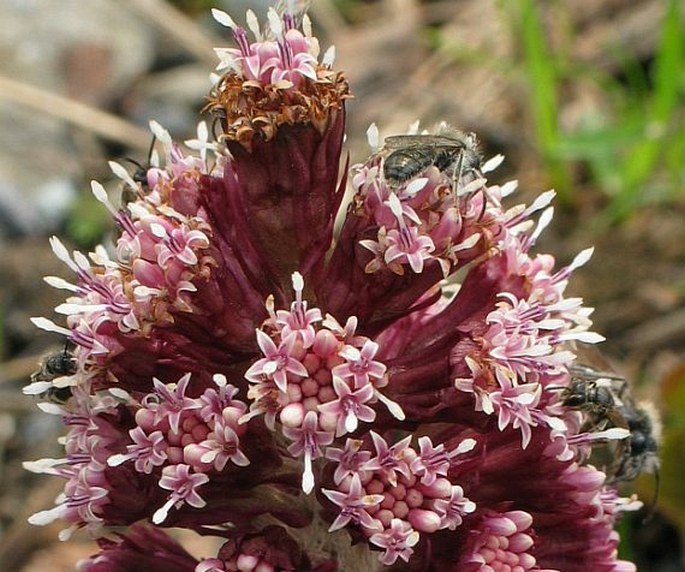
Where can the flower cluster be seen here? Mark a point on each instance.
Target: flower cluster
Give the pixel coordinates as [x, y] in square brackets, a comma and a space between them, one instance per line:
[323, 398]
[318, 382]
[275, 80]
[397, 493]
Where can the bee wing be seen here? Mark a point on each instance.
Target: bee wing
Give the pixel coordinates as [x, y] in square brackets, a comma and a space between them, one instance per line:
[589, 357]
[402, 141]
[617, 419]
[593, 366]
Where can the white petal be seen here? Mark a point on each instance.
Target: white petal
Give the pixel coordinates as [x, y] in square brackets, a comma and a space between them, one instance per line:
[161, 513]
[470, 242]
[373, 137]
[395, 205]
[589, 338]
[543, 223]
[209, 456]
[307, 26]
[68, 309]
[161, 134]
[51, 408]
[60, 283]
[81, 261]
[120, 393]
[41, 465]
[36, 388]
[542, 201]
[298, 282]
[394, 408]
[121, 173]
[223, 19]
[329, 57]
[466, 445]
[253, 25]
[202, 131]
[615, 433]
[101, 195]
[415, 186]
[315, 49]
[116, 460]
[66, 533]
[556, 423]
[158, 230]
[526, 398]
[472, 187]
[582, 258]
[275, 22]
[307, 475]
[508, 188]
[46, 516]
[62, 253]
[492, 163]
[49, 326]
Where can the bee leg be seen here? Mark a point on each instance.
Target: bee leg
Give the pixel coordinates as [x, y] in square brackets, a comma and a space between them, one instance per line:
[457, 172]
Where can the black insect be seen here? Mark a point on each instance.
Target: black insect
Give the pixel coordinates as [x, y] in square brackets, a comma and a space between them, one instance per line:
[452, 152]
[608, 402]
[52, 366]
[139, 176]
[641, 451]
[597, 394]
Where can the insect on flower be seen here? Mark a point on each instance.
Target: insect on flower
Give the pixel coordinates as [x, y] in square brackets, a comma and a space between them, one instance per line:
[416, 419]
[607, 400]
[639, 452]
[128, 194]
[452, 152]
[641, 455]
[595, 392]
[52, 366]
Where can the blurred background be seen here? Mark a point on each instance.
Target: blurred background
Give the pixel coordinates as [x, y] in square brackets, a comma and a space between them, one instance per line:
[585, 96]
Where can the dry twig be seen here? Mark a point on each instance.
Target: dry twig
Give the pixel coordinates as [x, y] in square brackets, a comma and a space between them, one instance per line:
[95, 120]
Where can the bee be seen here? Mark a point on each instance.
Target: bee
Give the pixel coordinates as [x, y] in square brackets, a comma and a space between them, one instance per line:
[128, 195]
[140, 174]
[452, 152]
[607, 400]
[52, 366]
[597, 393]
[641, 453]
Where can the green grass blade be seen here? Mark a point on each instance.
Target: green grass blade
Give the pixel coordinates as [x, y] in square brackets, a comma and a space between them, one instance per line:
[643, 158]
[543, 84]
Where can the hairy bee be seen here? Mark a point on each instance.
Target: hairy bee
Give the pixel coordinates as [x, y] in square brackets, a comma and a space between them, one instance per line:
[52, 366]
[452, 152]
[641, 451]
[597, 393]
[607, 400]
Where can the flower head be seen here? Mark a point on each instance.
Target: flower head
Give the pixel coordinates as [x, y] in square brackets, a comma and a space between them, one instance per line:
[245, 370]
